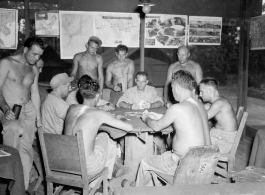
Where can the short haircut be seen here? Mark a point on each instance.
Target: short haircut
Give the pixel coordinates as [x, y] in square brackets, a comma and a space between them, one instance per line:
[121, 47]
[209, 81]
[88, 88]
[184, 79]
[34, 41]
[184, 47]
[142, 73]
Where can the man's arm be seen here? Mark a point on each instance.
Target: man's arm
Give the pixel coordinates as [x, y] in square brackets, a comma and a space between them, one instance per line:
[156, 104]
[75, 66]
[124, 105]
[199, 74]
[110, 120]
[100, 74]
[214, 109]
[109, 77]
[165, 121]
[35, 96]
[4, 69]
[130, 75]
[168, 80]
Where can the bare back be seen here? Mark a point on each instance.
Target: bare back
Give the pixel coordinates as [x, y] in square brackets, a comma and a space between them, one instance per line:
[86, 64]
[121, 72]
[222, 111]
[16, 79]
[190, 124]
[81, 117]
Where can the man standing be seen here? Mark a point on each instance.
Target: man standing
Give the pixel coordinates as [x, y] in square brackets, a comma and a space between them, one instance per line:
[189, 119]
[224, 131]
[89, 62]
[54, 107]
[120, 72]
[19, 85]
[100, 150]
[142, 96]
[183, 63]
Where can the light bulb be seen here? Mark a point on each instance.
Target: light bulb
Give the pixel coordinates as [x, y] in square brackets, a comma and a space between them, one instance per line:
[146, 8]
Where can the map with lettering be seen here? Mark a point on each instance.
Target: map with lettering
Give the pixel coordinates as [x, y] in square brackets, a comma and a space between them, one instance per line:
[257, 31]
[8, 28]
[47, 23]
[118, 28]
[75, 30]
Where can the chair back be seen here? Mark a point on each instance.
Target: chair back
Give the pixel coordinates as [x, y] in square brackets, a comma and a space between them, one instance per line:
[239, 114]
[63, 153]
[238, 135]
[197, 166]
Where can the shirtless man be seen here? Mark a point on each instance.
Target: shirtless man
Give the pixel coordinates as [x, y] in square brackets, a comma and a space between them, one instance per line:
[119, 71]
[224, 131]
[183, 64]
[189, 119]
[89, 62]
[100, 150]
[19, 85]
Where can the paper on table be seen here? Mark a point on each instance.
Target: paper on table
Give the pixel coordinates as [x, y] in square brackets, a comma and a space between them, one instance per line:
[3, 153]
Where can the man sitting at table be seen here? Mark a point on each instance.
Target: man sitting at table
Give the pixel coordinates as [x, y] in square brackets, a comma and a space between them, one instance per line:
[224, 130]
[75, 98]
[100, 150]
[54, 108]
[142, 96]
[189, 119]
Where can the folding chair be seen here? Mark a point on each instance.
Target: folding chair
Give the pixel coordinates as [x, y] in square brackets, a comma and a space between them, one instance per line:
[239, 114]
[227, 160]
[65, 163]
[197, 166]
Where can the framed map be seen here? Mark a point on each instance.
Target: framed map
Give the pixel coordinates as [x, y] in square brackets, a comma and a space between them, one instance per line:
[47, 23]
[165, 31]
[112, 28]
[257, 32]
[75, 30]
[204, 30]
[118, 28]
[8, 28]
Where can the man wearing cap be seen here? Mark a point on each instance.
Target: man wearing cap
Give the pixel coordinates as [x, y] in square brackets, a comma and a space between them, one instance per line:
[89, 62]
[19, 85]
[54, 107]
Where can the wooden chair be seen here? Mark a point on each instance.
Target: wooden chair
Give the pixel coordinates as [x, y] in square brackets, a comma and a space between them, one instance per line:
[239, 114]
[197, 166]
[65, 163]
[227, 160]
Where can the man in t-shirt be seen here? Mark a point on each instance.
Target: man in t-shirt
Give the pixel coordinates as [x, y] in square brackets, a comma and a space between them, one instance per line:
[54, 107]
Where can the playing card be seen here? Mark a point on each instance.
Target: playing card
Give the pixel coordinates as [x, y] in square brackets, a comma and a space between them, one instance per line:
[141, 104]
[145, 112]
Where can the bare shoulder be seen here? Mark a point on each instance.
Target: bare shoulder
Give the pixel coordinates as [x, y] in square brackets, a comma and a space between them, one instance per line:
[79, 55]
[194, 64]
[110, 66]
[5, 63]
[130, 62]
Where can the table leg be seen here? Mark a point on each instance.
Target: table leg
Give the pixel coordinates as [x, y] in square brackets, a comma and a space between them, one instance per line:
[135, 150]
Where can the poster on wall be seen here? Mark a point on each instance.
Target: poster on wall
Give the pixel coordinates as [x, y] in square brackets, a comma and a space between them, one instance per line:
[118, 28]
[47, 23]
[204, 30]
[165, 31]
[75, 29]
[257, 33]
[8, 28]
[112, 28]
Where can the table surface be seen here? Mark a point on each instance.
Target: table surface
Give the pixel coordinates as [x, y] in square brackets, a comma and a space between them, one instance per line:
[138, 125]
[11, 169]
